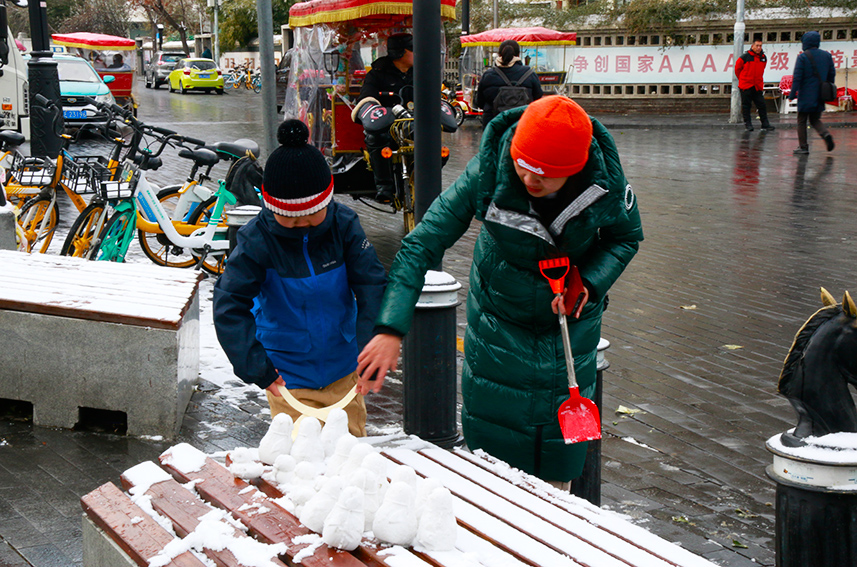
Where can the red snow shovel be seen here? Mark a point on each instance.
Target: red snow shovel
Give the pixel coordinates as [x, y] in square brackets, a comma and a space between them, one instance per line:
[578, 417]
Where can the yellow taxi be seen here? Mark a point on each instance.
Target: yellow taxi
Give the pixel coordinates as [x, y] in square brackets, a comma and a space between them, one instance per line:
[195, 74]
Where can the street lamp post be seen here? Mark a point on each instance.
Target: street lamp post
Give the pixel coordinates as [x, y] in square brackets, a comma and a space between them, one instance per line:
[738, 50]
[215, 5]
[46, 125]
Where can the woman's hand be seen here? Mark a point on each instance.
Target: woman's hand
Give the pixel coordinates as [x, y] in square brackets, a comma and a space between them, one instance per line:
[380, 356]
[558, 304]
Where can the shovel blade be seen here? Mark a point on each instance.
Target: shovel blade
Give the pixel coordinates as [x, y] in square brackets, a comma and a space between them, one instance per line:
[579, 419]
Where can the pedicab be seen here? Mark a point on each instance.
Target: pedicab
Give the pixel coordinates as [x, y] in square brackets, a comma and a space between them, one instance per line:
[548, 52]
[111, 56]
[335, 42]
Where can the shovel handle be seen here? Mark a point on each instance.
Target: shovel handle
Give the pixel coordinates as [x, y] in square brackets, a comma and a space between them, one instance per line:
[566, 347]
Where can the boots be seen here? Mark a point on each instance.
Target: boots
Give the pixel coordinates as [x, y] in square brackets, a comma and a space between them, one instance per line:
[383, 172]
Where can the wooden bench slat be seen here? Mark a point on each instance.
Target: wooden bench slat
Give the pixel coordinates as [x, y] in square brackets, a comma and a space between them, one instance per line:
[643, 539]
[584, 549]
[219, 487]
[133, 530]
[184, 509]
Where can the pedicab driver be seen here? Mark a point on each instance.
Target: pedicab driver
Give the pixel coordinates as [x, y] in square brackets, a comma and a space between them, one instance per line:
[388, 75]
[547, 182]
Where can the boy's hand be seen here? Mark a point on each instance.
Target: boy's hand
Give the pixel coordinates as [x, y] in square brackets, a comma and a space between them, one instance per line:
[380, 356]
[558, 304]
[273, 387]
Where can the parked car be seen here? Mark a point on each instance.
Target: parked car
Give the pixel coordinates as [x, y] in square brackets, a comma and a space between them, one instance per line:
[159, 68]
[195, 74]
[78, 80]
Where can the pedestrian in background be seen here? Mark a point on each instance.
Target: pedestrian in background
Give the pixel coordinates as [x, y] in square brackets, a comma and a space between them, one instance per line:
[547, 182]
[813, 66]
[507, 69]
[750, 70]
[206, 53]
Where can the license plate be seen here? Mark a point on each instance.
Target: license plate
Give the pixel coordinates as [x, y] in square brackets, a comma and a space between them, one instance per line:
[204, 76]
[72, 114]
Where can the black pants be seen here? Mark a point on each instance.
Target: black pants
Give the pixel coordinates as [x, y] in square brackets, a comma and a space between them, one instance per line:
[749, 96]
[814, 121]
[382, 168]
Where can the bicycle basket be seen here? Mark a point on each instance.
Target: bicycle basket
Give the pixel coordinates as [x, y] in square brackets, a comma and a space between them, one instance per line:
[114, 187]
[32, 171]
[77, 172]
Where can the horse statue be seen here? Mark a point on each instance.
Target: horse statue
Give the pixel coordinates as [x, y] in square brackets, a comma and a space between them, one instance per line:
[821, 363]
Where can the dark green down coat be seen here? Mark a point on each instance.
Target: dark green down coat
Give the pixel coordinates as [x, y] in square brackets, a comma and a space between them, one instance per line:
[514, 376]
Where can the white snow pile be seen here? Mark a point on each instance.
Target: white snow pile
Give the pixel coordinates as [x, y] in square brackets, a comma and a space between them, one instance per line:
[338, 487]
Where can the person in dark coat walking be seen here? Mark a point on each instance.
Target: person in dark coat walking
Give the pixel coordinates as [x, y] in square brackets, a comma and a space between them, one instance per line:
[813, 66]
[750, 70]
[508, 62]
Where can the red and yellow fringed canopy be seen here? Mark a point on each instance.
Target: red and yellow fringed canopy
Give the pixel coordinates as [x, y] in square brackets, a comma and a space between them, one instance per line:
[524, 36]
[360, 13]
[87, 40]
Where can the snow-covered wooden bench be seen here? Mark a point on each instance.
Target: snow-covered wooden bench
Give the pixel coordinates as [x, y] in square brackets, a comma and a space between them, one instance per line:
[98, 335]
[505, 518]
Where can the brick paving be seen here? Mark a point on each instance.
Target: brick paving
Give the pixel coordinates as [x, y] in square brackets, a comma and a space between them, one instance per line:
[739, 236]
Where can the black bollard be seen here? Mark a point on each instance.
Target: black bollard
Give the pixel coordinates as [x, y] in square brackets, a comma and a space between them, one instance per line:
[429, 364]
[588, 484]
[236, 218]
[816, 513]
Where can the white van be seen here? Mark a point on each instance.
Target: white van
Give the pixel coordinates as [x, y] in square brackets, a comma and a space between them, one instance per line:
[14, 89]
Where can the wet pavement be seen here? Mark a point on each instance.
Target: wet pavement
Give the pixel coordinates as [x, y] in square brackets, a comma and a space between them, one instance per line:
[740, 234]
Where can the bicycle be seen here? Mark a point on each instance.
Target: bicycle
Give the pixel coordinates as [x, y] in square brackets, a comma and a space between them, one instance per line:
[200, 230]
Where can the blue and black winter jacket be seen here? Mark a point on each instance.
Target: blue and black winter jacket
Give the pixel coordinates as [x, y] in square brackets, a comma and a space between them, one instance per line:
[299, 301]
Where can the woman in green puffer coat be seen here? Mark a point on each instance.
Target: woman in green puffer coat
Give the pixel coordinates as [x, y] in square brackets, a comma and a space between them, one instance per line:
[547, 183]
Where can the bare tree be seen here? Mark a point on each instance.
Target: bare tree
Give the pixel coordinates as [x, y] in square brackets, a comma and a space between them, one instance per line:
[98, 16]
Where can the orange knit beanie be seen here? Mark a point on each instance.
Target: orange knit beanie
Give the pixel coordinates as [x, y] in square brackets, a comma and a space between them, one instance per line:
[553, 137]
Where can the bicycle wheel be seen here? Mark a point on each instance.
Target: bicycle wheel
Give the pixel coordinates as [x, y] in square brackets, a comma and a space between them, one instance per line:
[156, 246]
[215, 261]
[237, 82]
[82, 231]
[115, 237]
[39, 229]
[406, 194]
[257, 85]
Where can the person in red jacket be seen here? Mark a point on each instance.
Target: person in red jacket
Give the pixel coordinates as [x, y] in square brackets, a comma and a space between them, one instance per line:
[750, 70]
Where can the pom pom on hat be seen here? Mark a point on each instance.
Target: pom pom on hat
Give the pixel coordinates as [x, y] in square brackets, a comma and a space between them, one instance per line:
[552, 138]
[297, 180]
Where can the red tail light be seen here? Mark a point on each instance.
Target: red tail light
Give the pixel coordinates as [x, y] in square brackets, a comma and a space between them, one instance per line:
[187, 71]
[219, 72]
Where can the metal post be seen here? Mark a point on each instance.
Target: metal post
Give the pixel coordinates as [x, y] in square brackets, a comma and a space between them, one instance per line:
[737, 51]
[465, 17]
[496, 14]
[429, 364]
[216, 33]
[428, 358]
[588, 484]
[45, 125]
[269, 72]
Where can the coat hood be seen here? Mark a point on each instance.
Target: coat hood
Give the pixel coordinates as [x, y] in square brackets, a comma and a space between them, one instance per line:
[811, 40]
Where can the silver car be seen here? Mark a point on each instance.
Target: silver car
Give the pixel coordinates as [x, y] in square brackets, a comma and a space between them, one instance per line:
[160, 66]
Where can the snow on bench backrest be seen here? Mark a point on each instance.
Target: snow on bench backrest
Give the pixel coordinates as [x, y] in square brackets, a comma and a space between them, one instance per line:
[133, 294]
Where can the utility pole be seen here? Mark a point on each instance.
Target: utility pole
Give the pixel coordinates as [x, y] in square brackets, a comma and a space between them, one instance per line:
[738, 50]
[46, 125]
[215, 5]
[496, 14]
[269, 71]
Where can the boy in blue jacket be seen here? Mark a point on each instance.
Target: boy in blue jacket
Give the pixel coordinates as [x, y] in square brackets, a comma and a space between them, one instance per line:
[301, 290]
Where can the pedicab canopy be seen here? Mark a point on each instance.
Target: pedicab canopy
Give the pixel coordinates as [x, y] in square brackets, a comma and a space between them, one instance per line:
[371, 14]
[547, 52]
[335, 43]
[108, 54]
